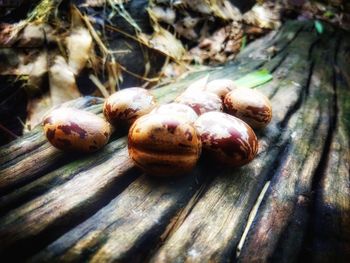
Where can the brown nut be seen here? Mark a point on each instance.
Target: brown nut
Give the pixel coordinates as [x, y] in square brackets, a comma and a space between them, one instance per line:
[179, 109]
[226, 138]
[250, 105]
[123, 107]
[201, 102]
[71, 129]
[164, 144]
[220, 87]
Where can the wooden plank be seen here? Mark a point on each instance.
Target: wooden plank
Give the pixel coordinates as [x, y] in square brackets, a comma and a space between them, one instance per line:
[329, 231]
[112, 242]
[277, 233]
[99, 208]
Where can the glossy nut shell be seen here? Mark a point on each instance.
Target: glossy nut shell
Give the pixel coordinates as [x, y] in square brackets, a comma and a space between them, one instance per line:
[179, 109]
[226, 138]
[76, 130]
[201, 102]
[250, 105]
[123, 107]
[220, 87]
[164, 145]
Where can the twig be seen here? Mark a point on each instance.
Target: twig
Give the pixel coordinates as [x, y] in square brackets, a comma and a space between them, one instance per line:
[99, 85]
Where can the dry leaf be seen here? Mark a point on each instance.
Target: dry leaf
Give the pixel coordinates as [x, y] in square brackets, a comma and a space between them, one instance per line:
[36, 109]
[220, 8]
[185, 27]
[35, 70]
[33, 35]
[165, 42]
[79, 45]
[165, 15]
[62, 82]
[220, 46]
[266, 15]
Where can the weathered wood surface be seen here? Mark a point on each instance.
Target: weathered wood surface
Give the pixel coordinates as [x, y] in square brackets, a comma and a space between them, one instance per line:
[100, 208]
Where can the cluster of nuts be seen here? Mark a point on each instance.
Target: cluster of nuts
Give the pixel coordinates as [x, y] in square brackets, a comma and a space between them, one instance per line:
[168, 139]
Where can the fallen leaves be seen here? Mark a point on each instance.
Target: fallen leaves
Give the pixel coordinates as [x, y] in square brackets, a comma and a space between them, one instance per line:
[220, 47]
[79, 46]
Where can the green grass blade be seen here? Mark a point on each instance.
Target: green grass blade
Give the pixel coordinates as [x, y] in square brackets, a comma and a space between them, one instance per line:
[254, 79]
[319, 27]
[244, 42]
